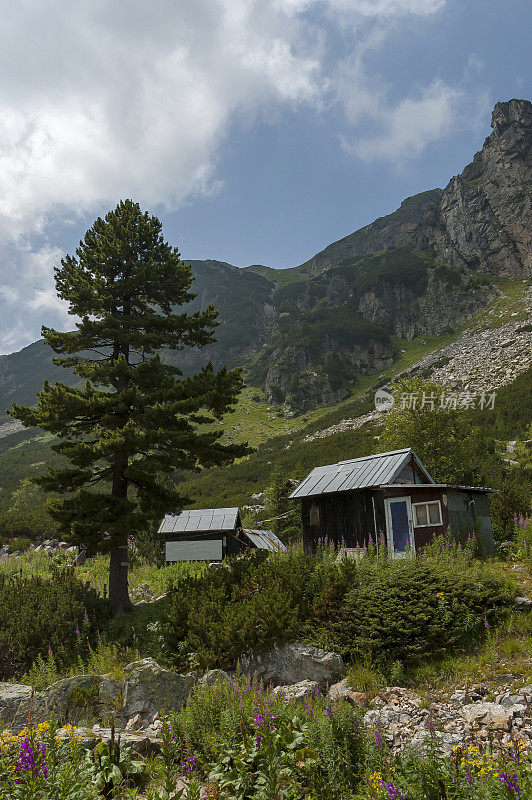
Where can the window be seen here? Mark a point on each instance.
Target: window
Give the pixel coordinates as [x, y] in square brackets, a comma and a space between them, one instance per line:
[314, 515]
[427, 514]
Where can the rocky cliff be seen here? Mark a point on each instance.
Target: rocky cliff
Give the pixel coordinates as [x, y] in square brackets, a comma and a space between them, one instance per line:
[484, 218]
[306, 333]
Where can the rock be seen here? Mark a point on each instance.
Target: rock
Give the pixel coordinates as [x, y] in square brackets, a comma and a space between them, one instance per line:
[214, 676]
[20, 706]
[490, 715]
[134, 724]
[150, 689]
[69, 698]
[357, 699]
[286, 664]
[110, 699]
[523, 604]
[297, 691]
[339, 691]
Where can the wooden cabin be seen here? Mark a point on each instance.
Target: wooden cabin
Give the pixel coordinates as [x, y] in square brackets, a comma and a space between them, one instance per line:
[212, 534]
[390, 494]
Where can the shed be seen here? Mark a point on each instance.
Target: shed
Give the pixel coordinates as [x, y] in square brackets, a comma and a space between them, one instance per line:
[392, 495]
[211, 534]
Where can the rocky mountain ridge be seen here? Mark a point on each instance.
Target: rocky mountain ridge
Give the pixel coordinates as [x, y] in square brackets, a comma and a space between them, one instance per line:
[306, 334]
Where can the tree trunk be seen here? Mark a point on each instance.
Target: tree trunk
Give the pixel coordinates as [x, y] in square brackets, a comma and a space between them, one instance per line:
[118, 580]
[118, 564]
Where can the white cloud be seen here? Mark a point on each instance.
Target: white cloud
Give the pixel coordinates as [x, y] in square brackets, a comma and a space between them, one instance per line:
[100, 101]
[404, 130]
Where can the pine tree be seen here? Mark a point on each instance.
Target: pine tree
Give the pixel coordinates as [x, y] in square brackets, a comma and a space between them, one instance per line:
[136, 418]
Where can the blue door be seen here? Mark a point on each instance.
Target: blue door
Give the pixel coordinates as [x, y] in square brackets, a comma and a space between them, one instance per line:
[399, 521]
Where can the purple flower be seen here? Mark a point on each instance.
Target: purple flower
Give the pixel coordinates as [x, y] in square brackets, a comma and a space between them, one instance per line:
[379, 739]
[510, 783]
[394, 793]
[189, 765]
[31, 760]
[486, 623]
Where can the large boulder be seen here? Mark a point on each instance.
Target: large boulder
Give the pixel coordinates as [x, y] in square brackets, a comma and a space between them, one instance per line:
[20, 705]
[213, 676]
[150, 689]
[110, 700]
[285, 664]
[73, 698]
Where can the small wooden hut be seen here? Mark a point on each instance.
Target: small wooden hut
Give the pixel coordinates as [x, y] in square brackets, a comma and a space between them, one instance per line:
[391, 495]
[211, 534]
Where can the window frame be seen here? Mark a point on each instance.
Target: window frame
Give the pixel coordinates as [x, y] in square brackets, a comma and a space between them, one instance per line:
[427, 524]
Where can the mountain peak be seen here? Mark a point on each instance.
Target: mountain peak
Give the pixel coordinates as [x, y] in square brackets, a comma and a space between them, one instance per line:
[511, 112]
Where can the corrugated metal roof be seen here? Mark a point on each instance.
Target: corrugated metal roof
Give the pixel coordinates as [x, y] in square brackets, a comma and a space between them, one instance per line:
[264, 540]
[358, 473]
[440, 486]
[200, 520]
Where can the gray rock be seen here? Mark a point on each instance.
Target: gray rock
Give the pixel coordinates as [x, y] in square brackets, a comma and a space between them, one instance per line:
[286, 664]
[297, 691]
[72, 697]
[214, 676]
[110, 699]
[523, 604]
[491, 715]
[150, 689]
[20, 705]
[339, 691]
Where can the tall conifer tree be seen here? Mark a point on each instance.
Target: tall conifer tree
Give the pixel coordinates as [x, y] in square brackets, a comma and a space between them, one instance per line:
[135, 418]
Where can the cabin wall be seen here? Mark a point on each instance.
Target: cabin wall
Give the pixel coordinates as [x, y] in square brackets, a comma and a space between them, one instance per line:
[345, 517]
[425, 534]
[469, 511]
[230, 544]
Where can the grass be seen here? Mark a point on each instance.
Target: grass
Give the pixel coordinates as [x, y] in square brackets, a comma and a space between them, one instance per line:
[95, 571]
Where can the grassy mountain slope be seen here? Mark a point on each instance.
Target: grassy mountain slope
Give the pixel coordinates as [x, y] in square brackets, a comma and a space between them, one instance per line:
[283, 442]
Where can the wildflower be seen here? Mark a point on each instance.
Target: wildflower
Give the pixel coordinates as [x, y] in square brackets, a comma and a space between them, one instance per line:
[379, 739]
[31, 760]
[189, 765]
[510, 783]
[486, 623]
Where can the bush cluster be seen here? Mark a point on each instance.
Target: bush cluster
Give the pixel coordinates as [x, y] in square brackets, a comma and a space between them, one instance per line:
[388, 611]
[38, 615]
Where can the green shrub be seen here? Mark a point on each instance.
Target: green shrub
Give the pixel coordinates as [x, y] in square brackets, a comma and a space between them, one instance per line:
[411, 611]
[248, 603]
[368, 609]
[21, 543]
[38, 615]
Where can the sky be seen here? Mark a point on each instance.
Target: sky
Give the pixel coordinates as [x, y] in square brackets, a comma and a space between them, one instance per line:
[259, 131]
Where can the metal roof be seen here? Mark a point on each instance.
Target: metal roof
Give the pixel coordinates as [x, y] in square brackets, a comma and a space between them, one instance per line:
[264, 540]
[358, 473]
[439, 486]
[200, 520]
